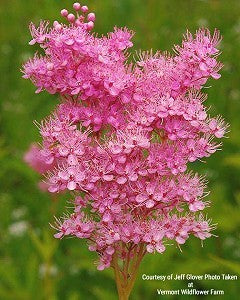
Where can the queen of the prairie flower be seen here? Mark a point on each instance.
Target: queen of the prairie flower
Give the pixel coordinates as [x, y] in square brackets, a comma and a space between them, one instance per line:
[122, 137]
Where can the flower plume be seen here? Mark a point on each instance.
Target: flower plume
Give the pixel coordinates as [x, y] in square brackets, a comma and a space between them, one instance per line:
[123, 136]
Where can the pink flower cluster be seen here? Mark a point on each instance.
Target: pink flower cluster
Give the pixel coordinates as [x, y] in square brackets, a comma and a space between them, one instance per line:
[123, 135]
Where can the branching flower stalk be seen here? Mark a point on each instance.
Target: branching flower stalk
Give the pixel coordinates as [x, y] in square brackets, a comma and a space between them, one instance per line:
[126, 274]
[122, 137]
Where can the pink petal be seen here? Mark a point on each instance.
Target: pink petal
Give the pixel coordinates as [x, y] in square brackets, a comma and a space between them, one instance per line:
[180, 240]
[121, 180]
[58, 235]
[160, 248]
[71, 185]
[108, 177]
[141, 198]
[150, 248]
[150, 203]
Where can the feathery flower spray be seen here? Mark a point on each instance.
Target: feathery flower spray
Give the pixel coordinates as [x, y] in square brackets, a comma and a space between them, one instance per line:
[122, 136]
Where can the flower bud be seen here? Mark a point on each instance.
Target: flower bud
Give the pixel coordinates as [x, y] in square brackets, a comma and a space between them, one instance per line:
[91, 17]
[84, 9]
[64, 13]
[71, 18]
[76, 6]
[90, 25]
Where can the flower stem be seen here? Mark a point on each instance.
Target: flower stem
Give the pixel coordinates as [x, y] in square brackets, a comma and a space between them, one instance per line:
[126, 278]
